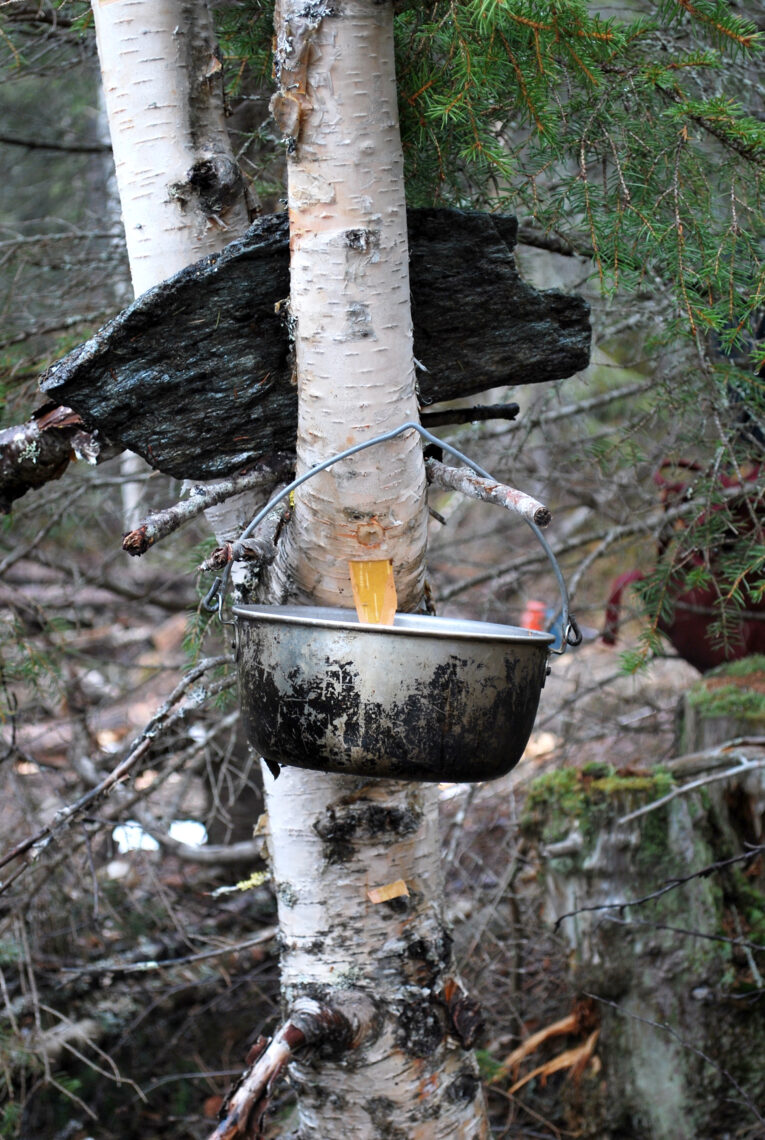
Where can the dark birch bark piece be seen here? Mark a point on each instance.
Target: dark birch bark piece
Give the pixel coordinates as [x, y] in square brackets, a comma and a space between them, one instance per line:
[196, 375]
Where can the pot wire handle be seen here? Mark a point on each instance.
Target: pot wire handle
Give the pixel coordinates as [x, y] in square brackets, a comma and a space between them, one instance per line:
[216, 595]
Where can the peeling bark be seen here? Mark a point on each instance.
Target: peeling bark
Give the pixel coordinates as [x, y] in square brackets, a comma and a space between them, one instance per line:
[334, 1029]
[198, 374]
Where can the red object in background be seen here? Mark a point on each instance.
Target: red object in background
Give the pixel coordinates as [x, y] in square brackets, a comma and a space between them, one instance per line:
[534, 616]
[695, 610]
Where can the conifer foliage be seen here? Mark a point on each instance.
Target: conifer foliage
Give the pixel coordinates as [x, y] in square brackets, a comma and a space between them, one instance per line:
[637, 142]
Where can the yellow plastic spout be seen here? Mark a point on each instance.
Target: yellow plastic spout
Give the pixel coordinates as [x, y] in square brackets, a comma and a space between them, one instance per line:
[374, 591]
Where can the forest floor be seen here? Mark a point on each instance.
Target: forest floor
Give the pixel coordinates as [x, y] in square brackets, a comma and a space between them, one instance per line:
[135, 981]
[149, 987]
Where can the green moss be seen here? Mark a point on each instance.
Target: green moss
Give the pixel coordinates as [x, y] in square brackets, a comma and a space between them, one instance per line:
[727, 700]
[742, 668]
[487, 1065]
[10, 1120]
[593, 797]
[710, 698]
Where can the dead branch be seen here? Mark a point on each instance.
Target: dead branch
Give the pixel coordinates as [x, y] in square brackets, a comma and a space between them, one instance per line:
[26, 548]
[670, 885]
[472, 485]
[650, 524]
[744, 943]
[261, 548]
[242, 1113]
[252, 550]
[728, 750]
[215, 855]
[111, 966]
[161, 721]
[576, 246]
[40, 450]
[158, 525]
[685, 1045]
[120, 805]
[479, 413]
[344, 1025]
[68, 148]
[61, 325]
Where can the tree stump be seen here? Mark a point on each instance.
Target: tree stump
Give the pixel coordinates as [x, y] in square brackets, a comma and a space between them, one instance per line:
[727, 703]
[677, 977]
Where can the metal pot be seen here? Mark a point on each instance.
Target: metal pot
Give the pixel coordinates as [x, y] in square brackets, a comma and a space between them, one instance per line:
[428, 698]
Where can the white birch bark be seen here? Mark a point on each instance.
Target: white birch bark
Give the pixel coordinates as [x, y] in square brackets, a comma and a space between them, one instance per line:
[181, 191]
[349, 300]
[333, 839]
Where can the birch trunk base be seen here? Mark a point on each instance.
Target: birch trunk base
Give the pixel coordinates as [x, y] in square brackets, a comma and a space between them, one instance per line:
[340, 840]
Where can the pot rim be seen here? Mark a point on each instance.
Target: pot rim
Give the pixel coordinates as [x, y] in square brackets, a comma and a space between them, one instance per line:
[405, 624]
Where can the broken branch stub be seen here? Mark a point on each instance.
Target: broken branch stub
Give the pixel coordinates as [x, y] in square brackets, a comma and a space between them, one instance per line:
[348, 1022]
[486, 491]
[40, 450]
[159, 524]
[197, 374]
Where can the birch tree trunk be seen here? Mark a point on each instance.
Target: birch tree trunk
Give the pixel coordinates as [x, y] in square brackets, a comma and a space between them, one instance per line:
[180, 189]
[334, 839]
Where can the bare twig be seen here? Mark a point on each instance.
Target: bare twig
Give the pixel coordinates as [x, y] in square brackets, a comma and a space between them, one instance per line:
[27, 547]
[74, 235]
[744, 943]
[576, 246]
[157, 526]
[652, 523]
[667, 1028]
[58, 326]
[111, 967]
[472, 485]
[670, 885]
[477, 414]
[161, 720]
[69, 148]
[744, 765]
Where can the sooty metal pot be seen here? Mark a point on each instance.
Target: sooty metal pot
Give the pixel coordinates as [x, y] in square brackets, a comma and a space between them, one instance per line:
[427, 698]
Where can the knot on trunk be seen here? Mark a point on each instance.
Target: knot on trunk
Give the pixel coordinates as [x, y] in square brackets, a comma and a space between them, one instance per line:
[214, 183]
